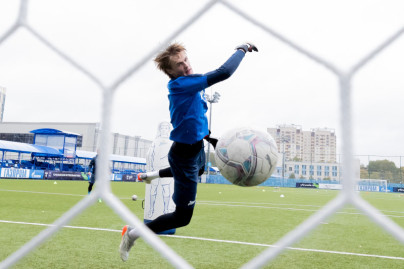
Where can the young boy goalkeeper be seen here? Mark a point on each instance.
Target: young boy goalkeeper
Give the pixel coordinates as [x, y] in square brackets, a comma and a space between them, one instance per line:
[186, 157]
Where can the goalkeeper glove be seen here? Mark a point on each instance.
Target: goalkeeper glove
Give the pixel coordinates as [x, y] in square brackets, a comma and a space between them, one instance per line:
[247, 47]
[211, 140]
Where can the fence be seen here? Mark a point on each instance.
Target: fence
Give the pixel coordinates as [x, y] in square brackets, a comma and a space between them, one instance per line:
[364, 185]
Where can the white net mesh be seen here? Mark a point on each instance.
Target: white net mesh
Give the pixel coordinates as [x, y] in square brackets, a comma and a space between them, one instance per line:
[347, 196]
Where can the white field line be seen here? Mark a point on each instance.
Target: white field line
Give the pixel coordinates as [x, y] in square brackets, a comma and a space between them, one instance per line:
[236, 204]
[219, 241]
[291, 248]
[294, 205]
[291, 209]
[58, 193]
[50, 193]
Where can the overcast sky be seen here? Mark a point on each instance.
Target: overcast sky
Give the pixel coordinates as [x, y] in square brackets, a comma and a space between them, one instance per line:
[276, 86]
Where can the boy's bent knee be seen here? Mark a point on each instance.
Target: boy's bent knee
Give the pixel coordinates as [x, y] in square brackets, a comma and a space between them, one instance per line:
[183, 216]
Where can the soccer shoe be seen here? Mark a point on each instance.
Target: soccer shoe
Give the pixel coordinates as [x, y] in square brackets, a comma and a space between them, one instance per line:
[126, 243]
[143, 177]
[146, 177]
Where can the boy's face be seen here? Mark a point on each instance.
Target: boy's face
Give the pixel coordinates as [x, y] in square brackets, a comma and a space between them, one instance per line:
[180, 65]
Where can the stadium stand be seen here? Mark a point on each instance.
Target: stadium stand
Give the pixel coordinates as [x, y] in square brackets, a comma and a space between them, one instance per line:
[54, 150]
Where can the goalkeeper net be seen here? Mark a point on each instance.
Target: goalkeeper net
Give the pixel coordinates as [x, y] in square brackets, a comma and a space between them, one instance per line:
[375, 185]
[103, 190]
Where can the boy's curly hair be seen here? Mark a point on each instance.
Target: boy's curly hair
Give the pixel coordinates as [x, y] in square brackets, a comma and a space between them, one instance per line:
[163, 59]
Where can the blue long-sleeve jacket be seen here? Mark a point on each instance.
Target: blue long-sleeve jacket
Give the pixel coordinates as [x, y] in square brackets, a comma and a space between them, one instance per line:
[188, 105]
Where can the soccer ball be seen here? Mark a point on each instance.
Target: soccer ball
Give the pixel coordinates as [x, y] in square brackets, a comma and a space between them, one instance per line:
[246, 157]
[134, 197]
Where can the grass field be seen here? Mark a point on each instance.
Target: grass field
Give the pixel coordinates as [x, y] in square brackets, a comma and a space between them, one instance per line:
[239, 223]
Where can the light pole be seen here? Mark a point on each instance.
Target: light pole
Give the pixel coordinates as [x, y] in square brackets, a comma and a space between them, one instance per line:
[284, 139]
[211, 99]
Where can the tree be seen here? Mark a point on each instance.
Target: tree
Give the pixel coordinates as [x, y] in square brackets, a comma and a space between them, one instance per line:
[364, 172]
[382, 169]
[382, 165]
[401, 174]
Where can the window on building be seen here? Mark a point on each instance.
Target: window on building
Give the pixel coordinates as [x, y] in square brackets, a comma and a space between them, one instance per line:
[41, 140]
[79, 141]
[16, 137]
[55, 142]
[70, 146]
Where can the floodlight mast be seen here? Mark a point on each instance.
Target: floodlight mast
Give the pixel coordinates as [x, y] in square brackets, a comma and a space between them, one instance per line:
[211, 99]
[284, 139]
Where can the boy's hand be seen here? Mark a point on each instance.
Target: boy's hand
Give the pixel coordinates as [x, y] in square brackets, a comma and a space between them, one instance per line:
[247, 47]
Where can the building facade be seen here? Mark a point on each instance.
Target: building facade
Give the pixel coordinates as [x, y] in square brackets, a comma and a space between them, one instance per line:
[88, 140]
[306, 154]
[316, 170]
[324, 146]
[317, 145]
[290, 140]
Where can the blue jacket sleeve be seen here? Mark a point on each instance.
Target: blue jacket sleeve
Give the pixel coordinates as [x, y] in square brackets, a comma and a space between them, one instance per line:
[226, 70]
